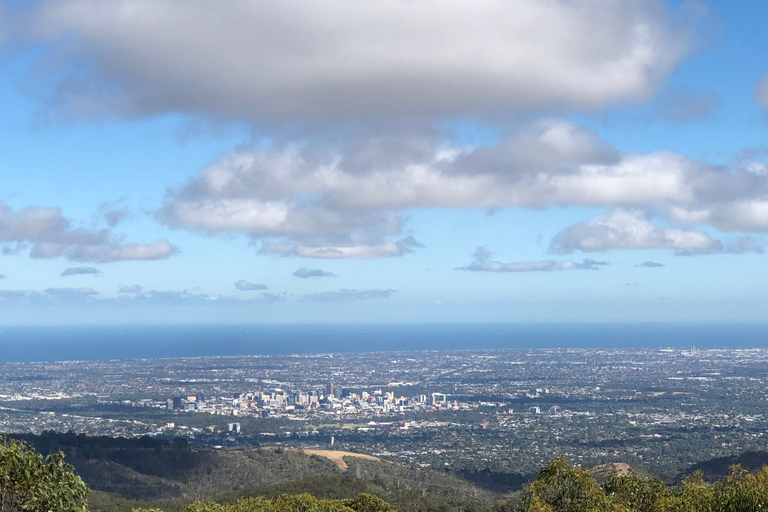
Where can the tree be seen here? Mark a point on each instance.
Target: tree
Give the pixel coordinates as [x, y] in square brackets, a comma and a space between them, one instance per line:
[559, 487]
[33, 483]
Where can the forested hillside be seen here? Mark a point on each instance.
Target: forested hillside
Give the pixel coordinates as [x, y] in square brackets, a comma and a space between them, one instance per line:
[124, 474]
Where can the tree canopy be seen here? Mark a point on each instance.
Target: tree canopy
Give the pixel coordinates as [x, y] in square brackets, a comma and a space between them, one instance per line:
[33, 483]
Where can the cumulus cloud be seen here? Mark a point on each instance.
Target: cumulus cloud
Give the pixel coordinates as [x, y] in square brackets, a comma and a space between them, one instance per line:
[340, 60]
[346, 295]
[305, 273]
[338, 199]
[742, 245]
[650, 264]
[622, 229]
[244, 285]
[482, 263]
[761, 91]
[131, 289]
[48, 234]
[116, 251]
[73, 271]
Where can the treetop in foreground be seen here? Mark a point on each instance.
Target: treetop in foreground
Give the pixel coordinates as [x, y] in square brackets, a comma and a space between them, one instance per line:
[33, 483]
[559, 487]
[291, 503]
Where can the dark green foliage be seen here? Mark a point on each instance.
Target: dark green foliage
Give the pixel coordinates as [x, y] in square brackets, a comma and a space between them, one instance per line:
[637, 493]
[290, 503]
[407, 489]
[31, 482]
[153, 469]
[716, 469]
[562, 488]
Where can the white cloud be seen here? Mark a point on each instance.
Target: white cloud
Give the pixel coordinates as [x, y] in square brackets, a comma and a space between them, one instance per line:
[482, 263]
[136, 288]
[340, 199]
[342, 60]
[347, 294]
[73, 271]
[306, 273]
[622, 229]
[115, 251]
[48, 234]
[246, 286]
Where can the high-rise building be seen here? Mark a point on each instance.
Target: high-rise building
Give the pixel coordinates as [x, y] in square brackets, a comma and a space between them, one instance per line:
[176, 402]
[329, 389]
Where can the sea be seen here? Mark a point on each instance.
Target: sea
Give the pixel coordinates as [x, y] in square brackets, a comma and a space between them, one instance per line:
[78, 343]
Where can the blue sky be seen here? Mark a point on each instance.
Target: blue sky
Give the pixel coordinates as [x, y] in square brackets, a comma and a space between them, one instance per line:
[428, 161]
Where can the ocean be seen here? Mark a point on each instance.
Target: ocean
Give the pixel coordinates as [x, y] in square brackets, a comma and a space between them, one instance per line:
[67, 343]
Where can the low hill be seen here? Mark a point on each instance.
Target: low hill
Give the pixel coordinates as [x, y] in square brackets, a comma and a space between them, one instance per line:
[603, 472]
[718, 468]
[141, 473]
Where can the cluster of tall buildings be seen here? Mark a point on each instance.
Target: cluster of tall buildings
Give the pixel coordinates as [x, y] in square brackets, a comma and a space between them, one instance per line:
[331, 397]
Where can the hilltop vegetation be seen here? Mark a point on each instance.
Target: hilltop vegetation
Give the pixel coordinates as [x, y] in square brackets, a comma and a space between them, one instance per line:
[560, 487]
[138, 473]
[149, 475]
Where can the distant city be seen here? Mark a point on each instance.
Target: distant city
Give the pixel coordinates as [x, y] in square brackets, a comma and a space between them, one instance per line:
[502, 410]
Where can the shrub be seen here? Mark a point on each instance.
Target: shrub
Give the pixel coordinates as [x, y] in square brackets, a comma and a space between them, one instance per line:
[33, 483]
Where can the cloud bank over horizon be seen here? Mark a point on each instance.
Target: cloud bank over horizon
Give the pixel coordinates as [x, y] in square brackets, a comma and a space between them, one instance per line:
[205, 150]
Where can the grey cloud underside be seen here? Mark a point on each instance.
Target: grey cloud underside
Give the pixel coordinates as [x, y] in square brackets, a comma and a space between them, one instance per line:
[347, 295]
[244, 285]
[341, 60]
[73, 271]
[46, 233]
[483, 263]
[306, 273]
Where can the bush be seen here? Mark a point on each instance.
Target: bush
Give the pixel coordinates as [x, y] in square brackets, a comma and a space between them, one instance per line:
[33, 483]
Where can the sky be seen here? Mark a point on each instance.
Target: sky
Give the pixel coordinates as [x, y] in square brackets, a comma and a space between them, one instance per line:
[182, 161]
